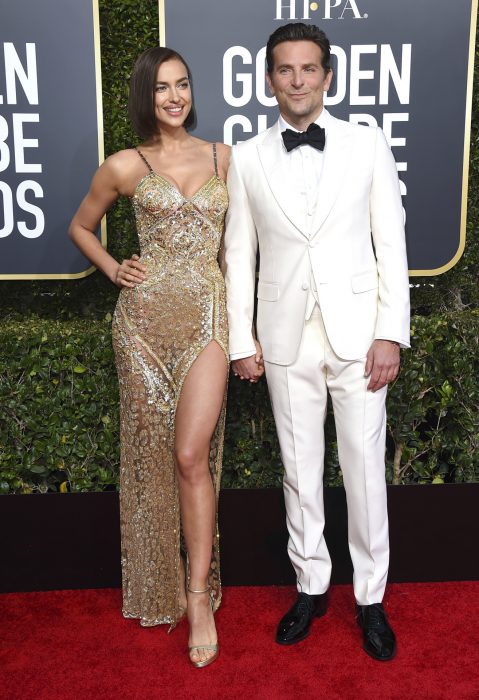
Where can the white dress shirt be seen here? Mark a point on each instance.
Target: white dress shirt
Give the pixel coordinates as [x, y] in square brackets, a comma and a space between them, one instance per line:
[306, 166]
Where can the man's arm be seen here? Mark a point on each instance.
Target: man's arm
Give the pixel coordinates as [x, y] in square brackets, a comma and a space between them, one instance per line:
[241, 246]
[387, 226]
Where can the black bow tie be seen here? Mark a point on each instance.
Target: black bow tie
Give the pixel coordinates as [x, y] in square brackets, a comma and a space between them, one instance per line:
[314, 136]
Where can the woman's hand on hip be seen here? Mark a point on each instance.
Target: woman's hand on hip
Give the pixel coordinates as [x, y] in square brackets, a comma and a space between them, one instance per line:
[130, 273]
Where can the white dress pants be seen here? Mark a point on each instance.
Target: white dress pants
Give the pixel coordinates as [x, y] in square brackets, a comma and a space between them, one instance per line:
[299, 396]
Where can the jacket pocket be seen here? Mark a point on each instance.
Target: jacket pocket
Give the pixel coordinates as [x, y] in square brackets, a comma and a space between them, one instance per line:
[268, 291]
[364, 282]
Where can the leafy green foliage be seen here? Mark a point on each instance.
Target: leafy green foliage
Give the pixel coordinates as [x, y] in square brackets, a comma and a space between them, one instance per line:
[433, 407]
[59, 397]
[59, 424]
[251, 454]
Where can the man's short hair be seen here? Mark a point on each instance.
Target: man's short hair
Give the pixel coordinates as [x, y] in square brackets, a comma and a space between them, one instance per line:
[298, 31]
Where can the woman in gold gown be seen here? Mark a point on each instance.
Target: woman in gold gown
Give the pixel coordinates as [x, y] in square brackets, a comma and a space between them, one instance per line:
[170, 341]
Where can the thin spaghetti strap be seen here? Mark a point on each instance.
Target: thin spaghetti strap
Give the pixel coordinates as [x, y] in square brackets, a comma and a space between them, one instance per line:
[144, 159]
[215, 160]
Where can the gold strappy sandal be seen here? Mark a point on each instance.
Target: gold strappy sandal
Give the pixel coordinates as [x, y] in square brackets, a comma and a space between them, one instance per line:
[206, 647]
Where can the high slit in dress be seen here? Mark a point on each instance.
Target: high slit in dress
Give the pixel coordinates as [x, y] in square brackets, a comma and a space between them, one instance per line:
[159, 328]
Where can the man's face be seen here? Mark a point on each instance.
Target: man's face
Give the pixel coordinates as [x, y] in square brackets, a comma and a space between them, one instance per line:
[298, 81]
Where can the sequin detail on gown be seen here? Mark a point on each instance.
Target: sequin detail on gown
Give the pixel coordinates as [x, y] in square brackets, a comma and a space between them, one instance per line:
[159, 329]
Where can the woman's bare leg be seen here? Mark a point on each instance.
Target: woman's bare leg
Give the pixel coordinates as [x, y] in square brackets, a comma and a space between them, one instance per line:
[196, 418]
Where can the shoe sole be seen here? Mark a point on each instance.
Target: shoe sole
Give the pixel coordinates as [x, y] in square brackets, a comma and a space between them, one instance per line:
[292, 641]
[379, 658]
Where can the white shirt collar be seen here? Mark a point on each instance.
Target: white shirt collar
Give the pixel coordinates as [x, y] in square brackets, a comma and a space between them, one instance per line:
[321, 121]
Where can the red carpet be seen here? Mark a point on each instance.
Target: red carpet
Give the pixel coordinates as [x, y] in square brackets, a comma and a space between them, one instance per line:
[74, 645]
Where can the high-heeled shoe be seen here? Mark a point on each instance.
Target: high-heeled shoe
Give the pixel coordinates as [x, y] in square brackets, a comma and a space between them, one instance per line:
[205, 647]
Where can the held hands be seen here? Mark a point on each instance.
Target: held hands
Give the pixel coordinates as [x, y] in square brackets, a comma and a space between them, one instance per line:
[382, 363]
[130, 273]
[250, 368]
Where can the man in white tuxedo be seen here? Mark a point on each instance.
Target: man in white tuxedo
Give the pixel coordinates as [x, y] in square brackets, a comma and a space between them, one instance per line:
[321, 198]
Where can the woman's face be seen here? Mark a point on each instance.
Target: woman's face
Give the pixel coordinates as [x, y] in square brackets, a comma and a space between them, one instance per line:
[172, 94]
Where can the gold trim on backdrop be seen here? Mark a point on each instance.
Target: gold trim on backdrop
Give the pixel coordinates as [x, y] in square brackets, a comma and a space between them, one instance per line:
[46, 276]
[161, 19]
[101, 157]
[466, 157]
[99, 111]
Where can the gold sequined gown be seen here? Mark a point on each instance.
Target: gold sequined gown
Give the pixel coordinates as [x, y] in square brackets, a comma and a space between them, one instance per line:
[159, 329]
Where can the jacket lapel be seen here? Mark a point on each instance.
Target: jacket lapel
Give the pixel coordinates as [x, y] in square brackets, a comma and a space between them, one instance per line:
[274, 161]
[337, 154]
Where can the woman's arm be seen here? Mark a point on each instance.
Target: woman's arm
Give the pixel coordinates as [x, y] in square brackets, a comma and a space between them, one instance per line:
[104, 190]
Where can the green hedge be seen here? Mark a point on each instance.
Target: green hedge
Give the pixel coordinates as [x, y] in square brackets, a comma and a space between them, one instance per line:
[59, 423]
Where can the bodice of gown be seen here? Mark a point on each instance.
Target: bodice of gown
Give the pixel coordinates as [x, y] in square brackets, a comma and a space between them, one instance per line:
[176, 231]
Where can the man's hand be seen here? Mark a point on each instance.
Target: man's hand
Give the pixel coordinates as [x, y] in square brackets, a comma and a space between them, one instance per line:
[382, 363]
[250, 368]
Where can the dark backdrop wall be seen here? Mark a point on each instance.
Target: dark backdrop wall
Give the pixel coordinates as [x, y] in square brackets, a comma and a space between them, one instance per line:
[59, 419]
[51, 133]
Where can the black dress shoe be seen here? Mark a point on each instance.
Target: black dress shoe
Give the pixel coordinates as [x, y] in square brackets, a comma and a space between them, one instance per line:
[379, 639]
[294, 626]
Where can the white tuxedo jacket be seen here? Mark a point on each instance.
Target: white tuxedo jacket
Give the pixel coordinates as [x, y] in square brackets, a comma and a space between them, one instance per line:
[355, 247]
